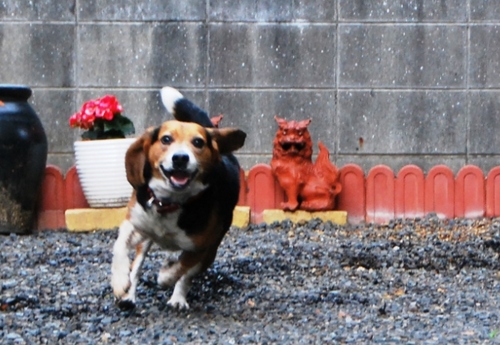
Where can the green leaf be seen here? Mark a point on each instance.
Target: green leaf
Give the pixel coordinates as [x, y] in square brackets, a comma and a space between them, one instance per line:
[90, 135]
[119, 127]
[110, 125]
[126, 125]
[112, 134]
[119, 123]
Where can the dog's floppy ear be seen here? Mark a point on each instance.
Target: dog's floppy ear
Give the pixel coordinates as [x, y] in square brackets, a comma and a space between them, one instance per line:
[136, 159]
[227, 139]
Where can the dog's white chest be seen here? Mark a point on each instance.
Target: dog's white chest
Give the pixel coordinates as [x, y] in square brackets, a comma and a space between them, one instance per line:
[162, 229]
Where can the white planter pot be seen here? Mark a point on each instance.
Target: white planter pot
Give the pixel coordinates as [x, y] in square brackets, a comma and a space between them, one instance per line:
[101, 169]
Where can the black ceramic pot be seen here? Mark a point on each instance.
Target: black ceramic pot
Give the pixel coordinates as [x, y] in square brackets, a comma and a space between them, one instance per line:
[23, 155]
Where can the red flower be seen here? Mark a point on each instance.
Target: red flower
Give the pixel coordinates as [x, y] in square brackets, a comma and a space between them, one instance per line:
[110, 103]
[74, 120]
[95, 113]
[102, 108]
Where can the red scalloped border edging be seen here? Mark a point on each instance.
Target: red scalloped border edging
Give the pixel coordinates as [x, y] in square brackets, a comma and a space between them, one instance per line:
[352, 198]
[264, 191]
[379, 197]
[440, 192]
[52, 198]
[493, 193]
[469, 193]
[380, 194]
[74, 192]
[409, 193]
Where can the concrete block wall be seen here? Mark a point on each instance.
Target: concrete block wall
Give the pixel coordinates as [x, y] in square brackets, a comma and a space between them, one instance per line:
[392, 82]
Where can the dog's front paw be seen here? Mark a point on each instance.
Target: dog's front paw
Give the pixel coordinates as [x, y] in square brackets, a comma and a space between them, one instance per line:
[125, 303]
[178, 302]
[120, 284]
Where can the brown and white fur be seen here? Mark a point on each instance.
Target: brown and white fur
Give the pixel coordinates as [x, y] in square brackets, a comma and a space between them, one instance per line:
[186, 185]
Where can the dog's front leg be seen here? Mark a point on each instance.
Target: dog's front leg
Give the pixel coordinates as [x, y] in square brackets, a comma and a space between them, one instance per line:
[124, 277]
[141, 250]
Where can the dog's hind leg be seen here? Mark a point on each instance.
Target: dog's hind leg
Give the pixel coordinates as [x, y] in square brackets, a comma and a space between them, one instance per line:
[181, 288]
[123, 275]
[181, 273]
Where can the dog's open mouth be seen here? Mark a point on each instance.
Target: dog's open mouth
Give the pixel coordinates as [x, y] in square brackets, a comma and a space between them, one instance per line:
[179, 178]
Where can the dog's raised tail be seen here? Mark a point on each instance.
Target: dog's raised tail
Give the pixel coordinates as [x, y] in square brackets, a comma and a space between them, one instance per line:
[169, 96]
[182, 108]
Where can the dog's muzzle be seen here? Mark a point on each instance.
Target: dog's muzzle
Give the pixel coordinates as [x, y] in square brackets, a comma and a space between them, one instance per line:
[179, 174]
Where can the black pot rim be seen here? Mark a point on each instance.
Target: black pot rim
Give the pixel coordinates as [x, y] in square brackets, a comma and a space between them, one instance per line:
[14, 91]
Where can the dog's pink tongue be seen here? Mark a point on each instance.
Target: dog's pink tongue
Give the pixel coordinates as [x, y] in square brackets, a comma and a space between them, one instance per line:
[180, 179]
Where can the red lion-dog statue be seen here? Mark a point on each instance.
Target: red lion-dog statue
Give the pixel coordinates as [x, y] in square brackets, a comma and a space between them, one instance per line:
[308, 186]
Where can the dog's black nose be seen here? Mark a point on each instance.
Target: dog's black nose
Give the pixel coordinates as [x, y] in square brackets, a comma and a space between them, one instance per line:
[180, 160]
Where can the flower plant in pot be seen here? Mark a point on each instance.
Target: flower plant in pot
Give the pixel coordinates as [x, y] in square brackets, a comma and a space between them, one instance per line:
[100, 155]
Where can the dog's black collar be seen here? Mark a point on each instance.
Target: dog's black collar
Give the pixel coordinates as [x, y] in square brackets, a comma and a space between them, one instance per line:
[163, 205]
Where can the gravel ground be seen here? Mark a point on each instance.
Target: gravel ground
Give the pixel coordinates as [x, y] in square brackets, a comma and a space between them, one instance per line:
[424, 281]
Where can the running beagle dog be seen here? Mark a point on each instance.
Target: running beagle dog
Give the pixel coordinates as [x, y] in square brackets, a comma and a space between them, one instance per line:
[186, 185]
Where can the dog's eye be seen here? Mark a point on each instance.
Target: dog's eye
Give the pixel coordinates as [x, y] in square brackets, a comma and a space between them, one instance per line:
[284, 132]
[198, 143]
[166, 139]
